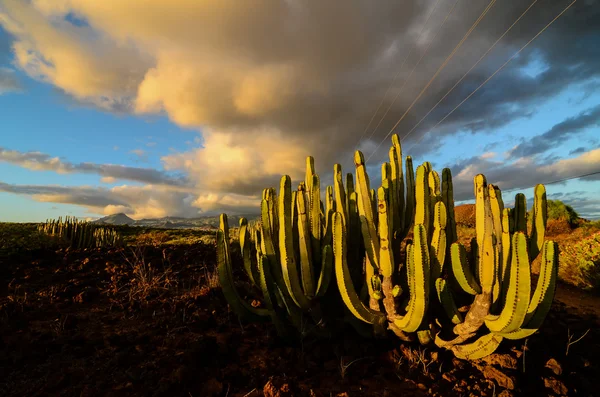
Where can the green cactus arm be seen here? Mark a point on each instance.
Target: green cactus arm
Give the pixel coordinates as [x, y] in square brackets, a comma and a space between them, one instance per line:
[409, 213]
[482, 347]
[487, 254]
[462, 271]
[496, 206]
[422, 196]
[344, 280]
[326, 270]
[316, 227]
[438, 241]
[329, 201]
[517, 297]
[520, 213]
[480, 189]
[397, 179]
[446, 298]
[434, 183]
[541, 301]
[354, 239]
[294, 210]
[246, 250]
[373, 197]
[539, 220]
[418, 283]
[386, 257]
[349, 184]
[341, 200]
[310, 171]
[365, 209]
[269, 288]
[506, 248]
[288, 260]
[239, 306]
[448, 200]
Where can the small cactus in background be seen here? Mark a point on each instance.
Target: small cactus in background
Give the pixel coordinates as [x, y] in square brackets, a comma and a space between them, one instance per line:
[81, 234]
[303, 247]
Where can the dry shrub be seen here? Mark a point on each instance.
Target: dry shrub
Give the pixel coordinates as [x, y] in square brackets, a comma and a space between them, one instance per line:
[580, 263]
[154, 239]
[556, 227]
[464, 215]
[148, 278]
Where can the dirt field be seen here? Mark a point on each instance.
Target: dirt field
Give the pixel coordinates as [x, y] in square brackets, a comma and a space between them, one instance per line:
[98, 323]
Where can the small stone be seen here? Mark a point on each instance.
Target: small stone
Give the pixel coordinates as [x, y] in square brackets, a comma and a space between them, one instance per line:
[501, 360]
[556, 386]
[554, 366]
[500, 377]
[422, 386]
[505, 393]
[449, 378]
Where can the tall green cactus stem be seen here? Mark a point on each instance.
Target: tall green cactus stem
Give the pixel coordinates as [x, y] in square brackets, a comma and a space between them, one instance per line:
[517, 296]
[540, 303]
[239, 306]
[339, 192]
[386, 254]
[409, 216]
[539, 220]
[448, 200]
[365, 209]
[520, 213]
[288, 263]
[423, 196]
[316, 228]
[244, 238]
[438, 241]
[418, 283]
[344, 281]
[497, 206]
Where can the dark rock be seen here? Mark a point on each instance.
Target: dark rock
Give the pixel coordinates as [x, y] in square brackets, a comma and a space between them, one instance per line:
[554, 366]
[556, 386]
[500, 377]
[505, 393]
[501, 360]
[449, 377]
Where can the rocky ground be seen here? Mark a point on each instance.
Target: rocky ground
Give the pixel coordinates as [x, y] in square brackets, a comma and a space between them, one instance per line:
[153, 322]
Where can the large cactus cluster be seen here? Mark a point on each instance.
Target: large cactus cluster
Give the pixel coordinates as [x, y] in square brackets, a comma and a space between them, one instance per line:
[394, 256]
[81, 234]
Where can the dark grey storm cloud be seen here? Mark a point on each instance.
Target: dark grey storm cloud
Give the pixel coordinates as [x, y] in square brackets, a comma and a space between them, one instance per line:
[43, 161]
[90, 197]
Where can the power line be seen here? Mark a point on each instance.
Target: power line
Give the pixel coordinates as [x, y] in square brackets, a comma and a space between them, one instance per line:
[472, 67]
[414, 68]
[442, 66]
[497, 70]
[396, 76]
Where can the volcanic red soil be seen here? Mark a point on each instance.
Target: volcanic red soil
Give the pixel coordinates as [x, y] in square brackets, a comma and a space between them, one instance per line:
[83, 323]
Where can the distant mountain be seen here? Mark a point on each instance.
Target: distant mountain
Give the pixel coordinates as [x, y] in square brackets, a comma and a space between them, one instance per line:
[171, 222]
[116, 219]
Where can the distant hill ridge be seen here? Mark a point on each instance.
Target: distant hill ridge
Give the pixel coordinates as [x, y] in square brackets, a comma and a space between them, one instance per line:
[172, 222]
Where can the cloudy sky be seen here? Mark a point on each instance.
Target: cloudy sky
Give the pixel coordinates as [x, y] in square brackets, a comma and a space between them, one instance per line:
[189, 107]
